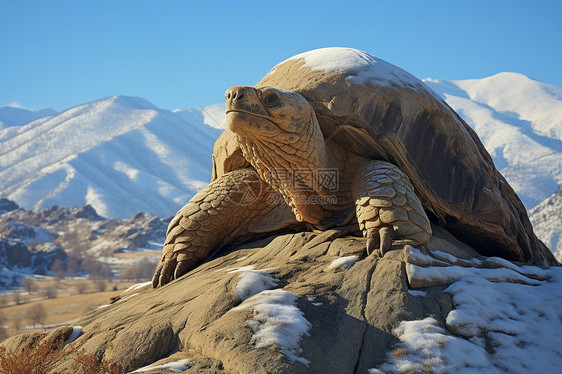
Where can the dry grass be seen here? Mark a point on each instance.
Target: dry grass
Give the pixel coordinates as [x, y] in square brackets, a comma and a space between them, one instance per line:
[44, 357]
[66, 308]
[398, 352]
[70, 297]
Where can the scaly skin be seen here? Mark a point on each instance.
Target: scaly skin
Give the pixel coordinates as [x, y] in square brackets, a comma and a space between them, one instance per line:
[280, 137]
[387, 207]
[229, 208]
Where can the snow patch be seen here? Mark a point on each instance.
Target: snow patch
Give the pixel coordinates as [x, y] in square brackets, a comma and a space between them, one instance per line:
[450, 274]
[137, 286]
[417, 293]
[519, 323]
[427, 348]
[277, 321]
[176, 367]
[449, 257]
[76, 330]
[252, 282]
[239, 269]
[346, 262]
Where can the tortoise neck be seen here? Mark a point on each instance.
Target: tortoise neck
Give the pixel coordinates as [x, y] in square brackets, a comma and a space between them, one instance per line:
[296, 165]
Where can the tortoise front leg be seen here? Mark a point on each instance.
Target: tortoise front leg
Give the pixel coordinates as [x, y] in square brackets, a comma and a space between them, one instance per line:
[236, 204]
[387, 207]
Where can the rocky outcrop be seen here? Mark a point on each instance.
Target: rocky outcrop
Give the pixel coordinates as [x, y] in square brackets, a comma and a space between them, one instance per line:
[136, 232]
[25, 249]
[293, 303]
[7, 205]
[31, 242]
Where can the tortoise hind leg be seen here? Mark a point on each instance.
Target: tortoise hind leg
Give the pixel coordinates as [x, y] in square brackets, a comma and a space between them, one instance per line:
[229, 208]
[387, 207]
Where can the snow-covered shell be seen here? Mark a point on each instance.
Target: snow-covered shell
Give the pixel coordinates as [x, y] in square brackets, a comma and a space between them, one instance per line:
[382, 112]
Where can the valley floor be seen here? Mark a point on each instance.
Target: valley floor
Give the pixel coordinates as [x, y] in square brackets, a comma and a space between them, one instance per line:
[36, 312]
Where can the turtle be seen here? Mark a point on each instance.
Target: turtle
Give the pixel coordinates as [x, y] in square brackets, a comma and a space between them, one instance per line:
[338, 138]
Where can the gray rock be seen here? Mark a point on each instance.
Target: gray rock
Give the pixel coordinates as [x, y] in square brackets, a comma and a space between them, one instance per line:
[7, 205]
[352, 311]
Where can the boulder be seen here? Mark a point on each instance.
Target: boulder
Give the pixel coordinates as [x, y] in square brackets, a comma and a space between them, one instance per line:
[292, 303]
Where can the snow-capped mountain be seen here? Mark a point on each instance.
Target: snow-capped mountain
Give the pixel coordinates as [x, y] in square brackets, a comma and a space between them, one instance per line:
[547, 222]
[13, 115]
[519, 120]
[120, 155]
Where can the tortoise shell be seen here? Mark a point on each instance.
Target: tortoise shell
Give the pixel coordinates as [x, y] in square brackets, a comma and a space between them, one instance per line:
[379, 111]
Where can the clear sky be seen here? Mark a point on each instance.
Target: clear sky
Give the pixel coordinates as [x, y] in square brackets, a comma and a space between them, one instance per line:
[63, 53]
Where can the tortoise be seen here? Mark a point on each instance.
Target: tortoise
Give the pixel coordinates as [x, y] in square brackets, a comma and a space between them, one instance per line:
[337, 138]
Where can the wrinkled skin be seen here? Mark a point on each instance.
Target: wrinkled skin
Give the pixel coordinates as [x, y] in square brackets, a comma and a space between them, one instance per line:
[295, 177]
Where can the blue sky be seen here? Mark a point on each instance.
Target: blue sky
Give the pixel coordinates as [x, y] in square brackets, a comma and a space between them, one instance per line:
[63, 53]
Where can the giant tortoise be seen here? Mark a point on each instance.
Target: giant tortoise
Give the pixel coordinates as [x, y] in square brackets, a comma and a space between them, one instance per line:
[337, 138]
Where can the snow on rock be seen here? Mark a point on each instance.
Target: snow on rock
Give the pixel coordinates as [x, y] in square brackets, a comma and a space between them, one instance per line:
[417, 293]
[277, 321]
[176, 367]
[76, 331]
[448, 274]
[136, 287]
[427, 348]
[252, 282]
[346, 262]
[502, 322]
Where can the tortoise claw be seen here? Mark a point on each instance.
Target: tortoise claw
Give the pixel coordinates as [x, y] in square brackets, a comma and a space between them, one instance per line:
[156, 276]
[386, 237]
[380, 240]
[167, 272]
[181, 268]
[373, 242]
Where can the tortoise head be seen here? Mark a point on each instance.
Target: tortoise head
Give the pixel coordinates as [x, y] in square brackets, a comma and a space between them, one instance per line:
[266, 112]
[278, 135]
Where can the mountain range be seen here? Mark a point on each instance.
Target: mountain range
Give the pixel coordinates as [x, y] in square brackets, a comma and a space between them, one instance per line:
[119, 154]
[123, 154]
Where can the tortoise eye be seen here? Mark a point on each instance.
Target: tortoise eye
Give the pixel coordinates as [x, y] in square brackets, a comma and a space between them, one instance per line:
[271, 100]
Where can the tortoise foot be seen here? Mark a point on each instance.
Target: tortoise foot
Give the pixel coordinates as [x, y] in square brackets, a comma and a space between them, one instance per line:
[387, 207]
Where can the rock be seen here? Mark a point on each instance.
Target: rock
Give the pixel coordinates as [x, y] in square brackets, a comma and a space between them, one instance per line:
[15, 253]
[345, 316]
[7, 205]
[86, 211]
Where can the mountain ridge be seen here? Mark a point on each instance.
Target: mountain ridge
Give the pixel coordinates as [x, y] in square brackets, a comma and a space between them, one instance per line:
[109, 144]
[11, 115]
